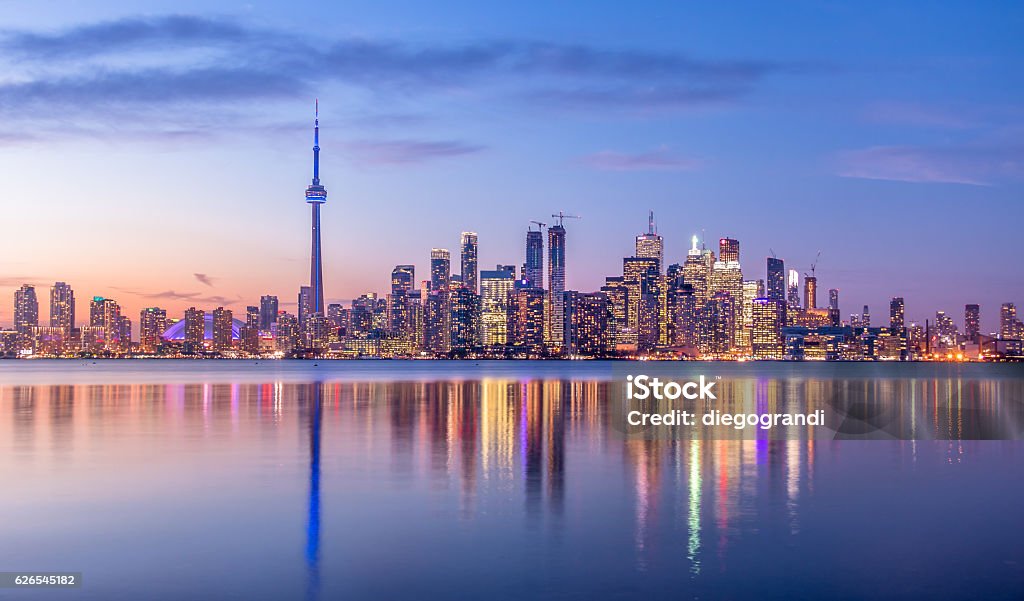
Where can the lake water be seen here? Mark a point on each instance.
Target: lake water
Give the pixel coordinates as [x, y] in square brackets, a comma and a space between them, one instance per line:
[491, 480]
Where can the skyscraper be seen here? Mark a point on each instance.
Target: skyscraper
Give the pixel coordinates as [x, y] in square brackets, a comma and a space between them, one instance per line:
[26, 310]
[305, 304]
[438, 322]
[495, 287]
[249, 335]
[105, 314]
[469, 261]
[556, 284]
[268, 312]
[465, 319]
[896, 321]
[833, 307]
[972, 321]
[697, 272]
[728, 249]
[222, 324]
[586, 323]
[727, 277]
[766, 333]
[533, 271]
[1008, 321]
[810, 292]
[617, 291]
[752, 289]
[62, 307]
[651, 245]
[865, 318]
[403, 280]
[793, 290]
[152, 323]
[195, 331]
[526, 320]
[776, 280]
[640, 277]
[316, 195]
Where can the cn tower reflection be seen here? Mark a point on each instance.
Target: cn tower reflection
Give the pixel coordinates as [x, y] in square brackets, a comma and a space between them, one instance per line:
[315, 415]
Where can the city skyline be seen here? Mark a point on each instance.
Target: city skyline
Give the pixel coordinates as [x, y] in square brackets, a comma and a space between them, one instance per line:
[159, 204]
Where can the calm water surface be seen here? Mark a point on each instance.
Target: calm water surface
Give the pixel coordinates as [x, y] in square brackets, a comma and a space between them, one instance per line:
[498, 480]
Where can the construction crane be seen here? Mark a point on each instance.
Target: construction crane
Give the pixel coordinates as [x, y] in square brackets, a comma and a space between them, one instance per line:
[814, 266]
[560, 216]
[772, 250]
[540, 225]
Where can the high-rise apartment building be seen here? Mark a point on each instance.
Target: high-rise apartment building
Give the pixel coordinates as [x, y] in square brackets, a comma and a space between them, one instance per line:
[495, 288]
[249, 335]
[556, 285]
[1008, 323]
[533, 269]
[972, 322]
[26, 310]
[195, 331]
[400, 318]
[526, 320]
[617, 291]
[896, 317]
[105, 319]
[438, 309]
[152, 324]
[586, 332]
[834, 316]
[776, 279]
[62, 307]
[465, 320]
[752, 289]
[223, 321]
[305, 303]
[768, 317]
[268, 312]
[470, 270]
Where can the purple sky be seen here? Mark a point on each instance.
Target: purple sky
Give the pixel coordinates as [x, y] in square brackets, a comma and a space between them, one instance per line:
[159, 158]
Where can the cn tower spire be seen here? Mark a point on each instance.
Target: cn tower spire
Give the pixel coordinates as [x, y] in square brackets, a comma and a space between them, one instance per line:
[316, 142]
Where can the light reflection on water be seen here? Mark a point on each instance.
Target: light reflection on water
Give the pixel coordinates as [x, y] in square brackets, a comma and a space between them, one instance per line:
[504, 486]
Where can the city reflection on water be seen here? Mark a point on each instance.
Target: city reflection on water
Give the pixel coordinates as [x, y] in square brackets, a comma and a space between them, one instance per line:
[504, 487]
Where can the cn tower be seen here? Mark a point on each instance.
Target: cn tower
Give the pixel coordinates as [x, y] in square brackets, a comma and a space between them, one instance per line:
[316, 195]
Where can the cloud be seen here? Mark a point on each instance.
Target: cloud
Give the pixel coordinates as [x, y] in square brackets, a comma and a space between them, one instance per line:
[657, 160]
[112, 36]
[918, 115]
[157, 72]
[203, 278]
[19, 281]
[391, 152]
[194, 297]
[972, 164]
